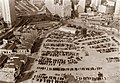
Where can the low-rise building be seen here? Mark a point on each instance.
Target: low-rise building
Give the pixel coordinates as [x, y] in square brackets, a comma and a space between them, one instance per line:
[6, 48]
[16, 47]
[25, 51]
[12, 68]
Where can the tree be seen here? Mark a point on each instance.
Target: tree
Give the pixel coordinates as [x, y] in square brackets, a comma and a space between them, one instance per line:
[75, 2]
[70, 79]
[84, 31]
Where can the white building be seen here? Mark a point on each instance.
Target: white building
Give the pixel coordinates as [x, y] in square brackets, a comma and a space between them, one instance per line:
[8, 11]
[81, 6]
[96, 2]
[0, 10]
[23, 51]
[7, 74]
[60, 7]
[102, 9]
[117, 8]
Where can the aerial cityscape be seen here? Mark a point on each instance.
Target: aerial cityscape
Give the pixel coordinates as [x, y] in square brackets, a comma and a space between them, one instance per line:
[59, 41]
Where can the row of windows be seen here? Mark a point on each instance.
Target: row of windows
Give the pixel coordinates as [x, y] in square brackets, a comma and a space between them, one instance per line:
[17, 51]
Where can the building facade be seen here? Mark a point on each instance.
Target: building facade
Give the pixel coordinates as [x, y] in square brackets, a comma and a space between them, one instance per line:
[117, 9]
[81, 6]
[59, 7]
[96, 2]
[8, 11]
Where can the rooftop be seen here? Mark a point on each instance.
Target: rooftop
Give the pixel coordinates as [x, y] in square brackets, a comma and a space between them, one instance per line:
[15, 61]
[10, 46]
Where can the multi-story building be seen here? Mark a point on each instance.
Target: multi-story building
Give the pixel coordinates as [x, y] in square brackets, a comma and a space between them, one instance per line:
[81, 6]
[8, 11]
[117, 9]
[0, 10]
[59, 7]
